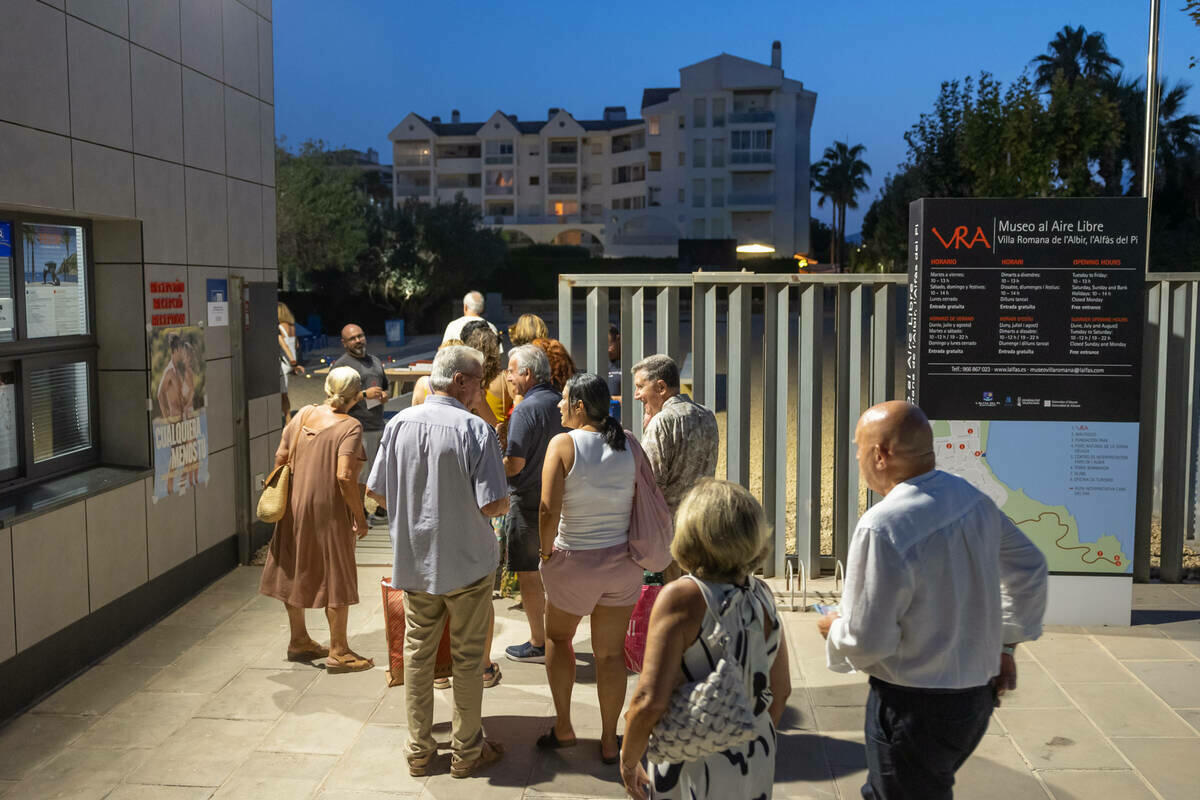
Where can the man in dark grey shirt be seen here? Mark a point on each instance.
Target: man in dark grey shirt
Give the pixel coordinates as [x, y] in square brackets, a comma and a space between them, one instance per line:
[369, 410]
[534, 422]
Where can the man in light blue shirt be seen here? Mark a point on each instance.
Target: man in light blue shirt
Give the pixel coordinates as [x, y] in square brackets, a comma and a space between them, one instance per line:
[440, 475]
[940, 587]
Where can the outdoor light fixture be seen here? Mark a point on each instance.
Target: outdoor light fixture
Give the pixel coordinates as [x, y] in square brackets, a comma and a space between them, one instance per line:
[803, 260]
[755, 248]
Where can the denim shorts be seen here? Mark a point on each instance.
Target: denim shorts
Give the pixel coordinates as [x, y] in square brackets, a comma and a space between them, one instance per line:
[577, 581]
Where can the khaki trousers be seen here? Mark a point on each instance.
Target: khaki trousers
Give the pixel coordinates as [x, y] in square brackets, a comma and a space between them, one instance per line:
[424, 616]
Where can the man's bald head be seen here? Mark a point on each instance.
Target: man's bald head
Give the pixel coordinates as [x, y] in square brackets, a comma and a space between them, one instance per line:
[895, 443]
[354, 340]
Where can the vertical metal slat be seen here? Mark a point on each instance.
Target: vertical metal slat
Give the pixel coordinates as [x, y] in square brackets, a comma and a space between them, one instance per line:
[809, 344]
[597, 330]
[854, 408]
[667, 321]
[775, 395]
[627, 360]
[1174, 492]
[632, 418]
[841, 441]
[1151, 375]
[737, 421]
[883, 356]
[701, 392]
[710, 346]
[564, 314]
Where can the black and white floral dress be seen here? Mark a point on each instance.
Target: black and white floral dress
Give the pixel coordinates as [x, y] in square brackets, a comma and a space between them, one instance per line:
[747, 771]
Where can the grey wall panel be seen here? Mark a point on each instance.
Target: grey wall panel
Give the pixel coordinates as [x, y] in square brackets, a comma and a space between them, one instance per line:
[33, 61]
[116, 537]
[98, 64]
[122, 337]
[171, 529]
[214, 503]
[50, 578]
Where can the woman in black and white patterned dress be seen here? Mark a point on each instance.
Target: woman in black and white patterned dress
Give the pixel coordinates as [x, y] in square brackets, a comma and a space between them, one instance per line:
[720, 537]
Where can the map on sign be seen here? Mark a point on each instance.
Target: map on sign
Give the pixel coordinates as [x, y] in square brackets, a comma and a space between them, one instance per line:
[1069, 486]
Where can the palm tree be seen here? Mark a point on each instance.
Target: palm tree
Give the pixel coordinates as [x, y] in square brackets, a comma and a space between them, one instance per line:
[819, 182]
[1076, 54]
[1128, 96]
[842, 176]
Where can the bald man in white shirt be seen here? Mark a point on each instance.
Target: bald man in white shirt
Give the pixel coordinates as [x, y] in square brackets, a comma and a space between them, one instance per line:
[940, 588]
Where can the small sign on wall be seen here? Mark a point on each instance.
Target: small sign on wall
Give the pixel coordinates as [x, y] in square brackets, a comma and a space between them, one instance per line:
[167, 303]
[218, 302]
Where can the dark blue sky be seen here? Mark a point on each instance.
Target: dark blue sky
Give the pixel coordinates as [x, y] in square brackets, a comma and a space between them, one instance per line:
[347, 72]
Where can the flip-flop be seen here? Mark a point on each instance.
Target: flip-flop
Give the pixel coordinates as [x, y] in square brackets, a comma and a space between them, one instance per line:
[351, 663]
[550, 741]
[441, 683]
[490, 754]
[308, 654]
[491, 675]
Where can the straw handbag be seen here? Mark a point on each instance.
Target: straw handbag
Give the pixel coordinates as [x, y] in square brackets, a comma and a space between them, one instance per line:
[273, 502]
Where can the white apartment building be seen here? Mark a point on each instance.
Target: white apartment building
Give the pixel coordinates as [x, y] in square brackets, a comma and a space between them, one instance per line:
[723, 155]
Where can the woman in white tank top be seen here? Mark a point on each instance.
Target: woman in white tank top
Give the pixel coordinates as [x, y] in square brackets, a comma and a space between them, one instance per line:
[587, 499]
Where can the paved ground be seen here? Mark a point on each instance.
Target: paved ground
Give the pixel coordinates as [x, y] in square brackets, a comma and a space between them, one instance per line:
[204, 705]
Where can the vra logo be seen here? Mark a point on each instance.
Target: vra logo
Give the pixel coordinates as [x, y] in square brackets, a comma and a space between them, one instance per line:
[959, 238]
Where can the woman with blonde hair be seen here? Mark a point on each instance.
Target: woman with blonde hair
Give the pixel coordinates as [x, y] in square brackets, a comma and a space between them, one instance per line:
[527, 328]
[311, 559]
[720, 538]
[289, 363]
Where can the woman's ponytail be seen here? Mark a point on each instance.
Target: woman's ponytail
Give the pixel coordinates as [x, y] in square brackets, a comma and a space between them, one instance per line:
[614, 434]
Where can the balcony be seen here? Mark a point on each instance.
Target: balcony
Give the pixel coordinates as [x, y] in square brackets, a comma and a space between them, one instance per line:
[542, 219]
[411, 190]
[751, 117]
[498, 159]
[562, 188]
[751, 157]
[751, 199]
[412, 161]
[563, 158]
[493, 189]
[643, 239]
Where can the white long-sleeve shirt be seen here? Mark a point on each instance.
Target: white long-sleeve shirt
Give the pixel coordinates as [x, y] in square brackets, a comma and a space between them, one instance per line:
[938, 579]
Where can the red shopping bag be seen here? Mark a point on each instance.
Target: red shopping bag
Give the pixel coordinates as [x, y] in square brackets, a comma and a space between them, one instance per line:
[639, 625]
[393, 618]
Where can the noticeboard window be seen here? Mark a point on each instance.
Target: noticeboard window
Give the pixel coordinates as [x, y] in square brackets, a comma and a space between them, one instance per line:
[48, 398]
[55, 277]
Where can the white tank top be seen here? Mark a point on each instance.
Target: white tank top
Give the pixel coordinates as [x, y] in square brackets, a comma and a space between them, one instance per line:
[597, 496]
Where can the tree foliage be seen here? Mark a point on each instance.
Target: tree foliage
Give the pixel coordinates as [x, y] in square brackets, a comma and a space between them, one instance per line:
[840, 176]
[1072, 129]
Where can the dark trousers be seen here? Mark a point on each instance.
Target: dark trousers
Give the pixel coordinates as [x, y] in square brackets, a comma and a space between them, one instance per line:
[918, 738]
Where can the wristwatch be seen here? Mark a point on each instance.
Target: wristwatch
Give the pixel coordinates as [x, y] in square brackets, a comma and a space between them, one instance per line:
[545, 556]
[1008, 649]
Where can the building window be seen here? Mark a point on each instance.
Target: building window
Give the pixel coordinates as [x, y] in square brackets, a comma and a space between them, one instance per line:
[627, 174]
[682, 123]
[498, 151]
[718, 112]
[535, 180]
[564, 208]
[698, 193]
[48, 399]
[699, 113]
[655, 164]
[681, 198]
[698, 228]
[699, 148]
[682, 158]
[654, 195]
[750, 147]
[595, 210]
[411, 154]
[718, 152]
[652, 125]
[597, 178]
[718, 192]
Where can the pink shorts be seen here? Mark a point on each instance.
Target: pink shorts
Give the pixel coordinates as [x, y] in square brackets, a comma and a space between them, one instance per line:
[577, 581]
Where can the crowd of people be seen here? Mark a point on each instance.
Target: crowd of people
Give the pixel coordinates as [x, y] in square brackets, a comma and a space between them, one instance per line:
[514, 458]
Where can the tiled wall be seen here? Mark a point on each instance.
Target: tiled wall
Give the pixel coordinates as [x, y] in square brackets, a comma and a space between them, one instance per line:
[154, 118]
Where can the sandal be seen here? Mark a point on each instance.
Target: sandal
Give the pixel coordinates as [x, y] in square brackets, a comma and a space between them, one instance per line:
[311, 653]
[351, 663]
[419, 767]
[491, 753]
[491, 675]
[611, 759]
[550, 741]
[441, 683]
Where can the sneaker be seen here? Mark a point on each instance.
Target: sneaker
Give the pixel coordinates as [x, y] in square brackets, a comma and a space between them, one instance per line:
[526, 652]
[375, 521]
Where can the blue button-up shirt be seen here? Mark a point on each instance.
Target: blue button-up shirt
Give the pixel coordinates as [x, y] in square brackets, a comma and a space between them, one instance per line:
[438, 464]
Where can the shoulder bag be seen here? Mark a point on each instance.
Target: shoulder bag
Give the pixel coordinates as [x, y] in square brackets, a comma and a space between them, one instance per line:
[650, 525]
[273, 502]
[708, 716]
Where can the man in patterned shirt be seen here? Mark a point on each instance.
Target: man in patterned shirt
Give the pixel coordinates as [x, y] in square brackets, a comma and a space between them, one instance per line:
[680, 437]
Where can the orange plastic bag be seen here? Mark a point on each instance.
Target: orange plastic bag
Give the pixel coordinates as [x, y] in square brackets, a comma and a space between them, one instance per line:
[393, 617]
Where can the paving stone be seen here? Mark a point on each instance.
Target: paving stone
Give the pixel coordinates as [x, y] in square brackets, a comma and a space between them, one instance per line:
[1171, 765]
[801, 770]
[1079, 660]
[573, 771]
[996, 771]
[202, 753]
[144, 720]
[80, 774]
[376, 762]
[1191, 716]
[276, 776]
[1176, 682]
[157, 647]
[199, 671]
[207, 610]
[97, 690]
[1086, 785]
[33, 739]
[368, 683]
[1127, 710]
[320, 724]
[345, 794]
[1058, 739]
[137, 791]
[241, 581]
[1035, 689]
[257, 694]
[828, 688]
[1138, 642]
